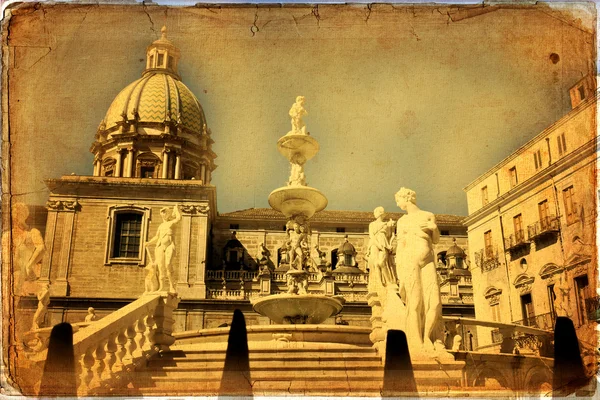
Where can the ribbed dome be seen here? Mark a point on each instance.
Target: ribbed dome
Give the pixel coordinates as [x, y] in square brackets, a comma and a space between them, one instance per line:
[346, 248]
[157, 97]
[455, 251]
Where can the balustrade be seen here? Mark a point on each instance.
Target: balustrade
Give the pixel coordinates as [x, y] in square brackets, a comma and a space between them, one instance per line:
[107, 350]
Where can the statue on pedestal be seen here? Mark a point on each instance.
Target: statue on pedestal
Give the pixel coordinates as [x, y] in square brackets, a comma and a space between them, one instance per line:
[416, 233]
[297, 112]
[379, 249]
[39, 317]
[165, 247]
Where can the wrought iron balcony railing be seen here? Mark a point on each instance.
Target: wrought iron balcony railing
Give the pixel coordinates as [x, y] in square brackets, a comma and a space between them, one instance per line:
[515, 240]
[543, 321]
[592, 307]
[545, 226]
[487, 258]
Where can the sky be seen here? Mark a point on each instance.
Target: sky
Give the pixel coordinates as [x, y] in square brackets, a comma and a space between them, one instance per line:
[422, 97]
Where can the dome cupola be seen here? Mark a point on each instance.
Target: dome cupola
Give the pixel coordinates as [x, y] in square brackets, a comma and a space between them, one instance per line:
[155, 127]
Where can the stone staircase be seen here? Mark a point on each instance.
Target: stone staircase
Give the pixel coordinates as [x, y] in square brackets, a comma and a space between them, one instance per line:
[276, 368]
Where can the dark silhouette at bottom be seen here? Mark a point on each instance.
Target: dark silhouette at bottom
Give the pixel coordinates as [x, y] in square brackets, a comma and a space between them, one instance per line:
[569, 374]
[236, 372]
[398, 376]
[59, 370]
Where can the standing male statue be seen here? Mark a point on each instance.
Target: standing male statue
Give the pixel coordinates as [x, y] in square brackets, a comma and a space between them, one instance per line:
[165, 247]
[416, 233]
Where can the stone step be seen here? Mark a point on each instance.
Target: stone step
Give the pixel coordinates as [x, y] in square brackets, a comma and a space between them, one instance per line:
[265, 364]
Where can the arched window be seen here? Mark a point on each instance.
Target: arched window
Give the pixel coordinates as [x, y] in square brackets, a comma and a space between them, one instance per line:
[147, 166]
[108, 167]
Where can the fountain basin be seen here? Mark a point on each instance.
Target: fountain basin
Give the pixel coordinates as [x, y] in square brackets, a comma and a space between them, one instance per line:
[296, 200]
[294, 144]
[298, 308]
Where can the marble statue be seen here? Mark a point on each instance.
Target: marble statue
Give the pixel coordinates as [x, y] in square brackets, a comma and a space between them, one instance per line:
[416, 233]
[27, 247]
[39, 317]
[379, 249]
[151, 281]
[263, 257]
[91, 315]
[457, 343]
[297, 112]
[165, 247]
[561, 298]
[297, 176]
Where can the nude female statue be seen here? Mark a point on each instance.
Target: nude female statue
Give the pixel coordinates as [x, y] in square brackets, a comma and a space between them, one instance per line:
[380, 247]
[416, 233]
[165, 247]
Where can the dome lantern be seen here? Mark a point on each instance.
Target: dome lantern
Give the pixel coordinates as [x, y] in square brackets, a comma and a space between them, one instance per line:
[162, 56]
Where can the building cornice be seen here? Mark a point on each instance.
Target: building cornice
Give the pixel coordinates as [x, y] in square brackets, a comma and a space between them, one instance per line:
[569, 160]
[576, 111]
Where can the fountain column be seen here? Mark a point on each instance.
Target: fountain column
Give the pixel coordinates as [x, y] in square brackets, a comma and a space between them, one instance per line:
[298, 202]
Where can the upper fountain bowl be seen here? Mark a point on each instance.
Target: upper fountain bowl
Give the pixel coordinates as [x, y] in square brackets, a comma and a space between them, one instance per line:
[297, 200]
[294, 144]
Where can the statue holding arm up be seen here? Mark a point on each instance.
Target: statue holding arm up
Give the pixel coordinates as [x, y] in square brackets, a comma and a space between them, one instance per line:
[165, 247]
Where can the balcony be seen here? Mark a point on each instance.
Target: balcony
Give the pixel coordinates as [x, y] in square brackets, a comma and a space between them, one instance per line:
[546, 226]
[487, 259]
[516, 241]
[592, 307]
[543, 321]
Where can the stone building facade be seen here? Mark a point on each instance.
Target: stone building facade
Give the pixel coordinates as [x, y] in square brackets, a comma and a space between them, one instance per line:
[152, 152]
[531, 227]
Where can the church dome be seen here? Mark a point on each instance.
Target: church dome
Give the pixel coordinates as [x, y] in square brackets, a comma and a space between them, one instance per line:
[346, 248]
[155, 98]
[455, 251]
[155, 127]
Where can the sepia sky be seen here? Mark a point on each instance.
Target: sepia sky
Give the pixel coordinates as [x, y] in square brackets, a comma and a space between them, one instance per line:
[423, 97]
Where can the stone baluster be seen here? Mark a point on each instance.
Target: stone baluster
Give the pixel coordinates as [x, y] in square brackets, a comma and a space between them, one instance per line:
[122, 351]
[87, 362]
[130, 346]
[140, 338]
[99, 365]
[111, 357]
[149, 334]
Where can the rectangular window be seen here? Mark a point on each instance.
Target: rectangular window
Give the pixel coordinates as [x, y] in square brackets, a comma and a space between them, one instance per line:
[340, 230]
[581, 91]
[128, 230]
[348, 259]
[147, 172]
[582, 286]
[527, 310]
[518, 224]
[570, 206]
[513, 177]
[495, 312]
[160, 60]
[537, 158]
[484, 196]
[489, 250]
[543, 211]
[444, 233]
[151, 63]
[170, 62]
[234, 226]
[562, 144]
[551, 298]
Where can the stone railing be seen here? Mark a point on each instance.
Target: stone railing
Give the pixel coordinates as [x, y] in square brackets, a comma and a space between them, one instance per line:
[230, 275]
[108, 350]
[513, 338]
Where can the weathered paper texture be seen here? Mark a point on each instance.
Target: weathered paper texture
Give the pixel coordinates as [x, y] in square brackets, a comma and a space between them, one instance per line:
[429, 97]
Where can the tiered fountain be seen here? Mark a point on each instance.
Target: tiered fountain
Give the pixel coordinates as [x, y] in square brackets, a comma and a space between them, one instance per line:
[298, 202]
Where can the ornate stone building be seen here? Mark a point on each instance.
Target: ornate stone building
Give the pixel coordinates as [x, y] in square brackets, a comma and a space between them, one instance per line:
[531, 227]
[152, 151]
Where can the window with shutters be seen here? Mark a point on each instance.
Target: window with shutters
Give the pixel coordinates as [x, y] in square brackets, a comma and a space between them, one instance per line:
[570, 206]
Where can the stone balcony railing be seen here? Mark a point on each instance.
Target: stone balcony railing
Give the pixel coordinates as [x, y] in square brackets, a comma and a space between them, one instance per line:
[512, 338]
[108, 350]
